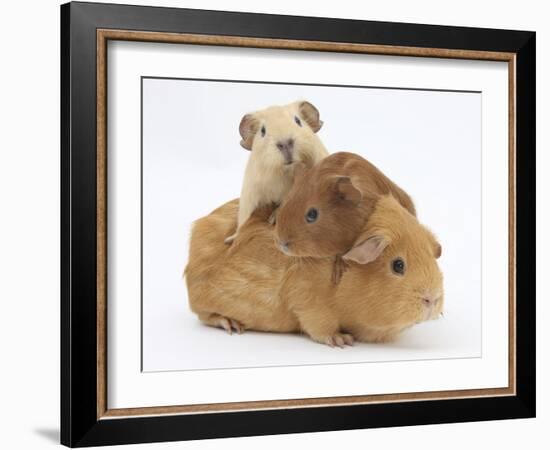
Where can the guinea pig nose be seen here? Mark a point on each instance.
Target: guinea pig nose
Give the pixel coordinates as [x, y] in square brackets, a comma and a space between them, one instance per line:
[429, 301]
[287, 145]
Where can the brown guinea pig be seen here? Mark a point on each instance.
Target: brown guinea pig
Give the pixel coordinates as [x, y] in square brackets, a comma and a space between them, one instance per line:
[328, 205]
[393, 281]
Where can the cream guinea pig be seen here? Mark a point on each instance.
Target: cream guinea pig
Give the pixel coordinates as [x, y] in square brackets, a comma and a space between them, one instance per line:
[393, 281]
[278, 137]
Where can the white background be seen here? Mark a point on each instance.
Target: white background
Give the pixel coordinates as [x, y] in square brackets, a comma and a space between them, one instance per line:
[29, 243]
[127, 387]
[428, 142]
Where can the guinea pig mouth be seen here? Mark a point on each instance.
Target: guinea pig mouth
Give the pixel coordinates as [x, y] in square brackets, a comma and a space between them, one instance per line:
[431, 308]
[284, 249]
[282, 245]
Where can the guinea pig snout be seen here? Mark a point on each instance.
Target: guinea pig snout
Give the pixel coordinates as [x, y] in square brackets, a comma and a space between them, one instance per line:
[432, 305]
[430, 301]
[286, 147]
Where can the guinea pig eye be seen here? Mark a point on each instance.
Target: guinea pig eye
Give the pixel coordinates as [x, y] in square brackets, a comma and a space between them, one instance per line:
[398, 266]
[263, 130]
[298, 121]
[312, 215]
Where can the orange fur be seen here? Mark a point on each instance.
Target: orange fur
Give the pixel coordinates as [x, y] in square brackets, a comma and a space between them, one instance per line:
[252, 285]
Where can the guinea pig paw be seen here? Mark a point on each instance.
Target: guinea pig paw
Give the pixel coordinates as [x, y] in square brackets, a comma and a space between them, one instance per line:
[272, 218]
[229, 240]
[339, 340]
[239, 328]
[230, 325]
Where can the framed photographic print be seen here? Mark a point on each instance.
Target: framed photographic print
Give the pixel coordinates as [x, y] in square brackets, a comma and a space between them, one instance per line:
[276, 224]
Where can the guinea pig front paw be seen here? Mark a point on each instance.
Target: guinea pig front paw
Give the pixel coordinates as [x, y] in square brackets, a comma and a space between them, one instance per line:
[337, 340]
[272, 218]
[230, 325]
[229, 240]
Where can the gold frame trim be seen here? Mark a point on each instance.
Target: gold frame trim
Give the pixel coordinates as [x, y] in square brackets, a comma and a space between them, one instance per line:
[103, 35]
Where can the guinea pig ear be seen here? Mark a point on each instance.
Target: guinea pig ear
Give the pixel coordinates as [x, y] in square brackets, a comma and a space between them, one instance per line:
[437, 250]
[368, 250]
[344, 190]
[310, 114]
[248, 129]
[435, 244]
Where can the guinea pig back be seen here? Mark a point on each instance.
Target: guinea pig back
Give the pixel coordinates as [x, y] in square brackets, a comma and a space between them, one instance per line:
[237, 287]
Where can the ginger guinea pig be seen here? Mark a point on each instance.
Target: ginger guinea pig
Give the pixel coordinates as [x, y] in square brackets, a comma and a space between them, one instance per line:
[329, 204]
[278, 137]
[393, 281]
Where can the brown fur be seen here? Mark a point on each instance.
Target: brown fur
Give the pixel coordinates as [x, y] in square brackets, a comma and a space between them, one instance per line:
[252, 285]
[344, 188]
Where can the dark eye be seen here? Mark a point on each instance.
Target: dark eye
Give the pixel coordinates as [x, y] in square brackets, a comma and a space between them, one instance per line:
[298, 121]
[312, 215]
[398, 266]
[263, 130]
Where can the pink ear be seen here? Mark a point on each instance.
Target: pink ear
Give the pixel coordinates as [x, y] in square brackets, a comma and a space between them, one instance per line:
[367, 251]
[345, 190]
[311, 115]
[247, 129]
[437, 250]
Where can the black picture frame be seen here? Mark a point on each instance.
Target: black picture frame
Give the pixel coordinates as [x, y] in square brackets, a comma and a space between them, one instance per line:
[80, 425]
